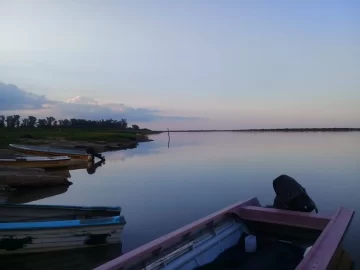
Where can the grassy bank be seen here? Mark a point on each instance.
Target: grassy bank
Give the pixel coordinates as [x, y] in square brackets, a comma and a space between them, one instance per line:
[90, 135]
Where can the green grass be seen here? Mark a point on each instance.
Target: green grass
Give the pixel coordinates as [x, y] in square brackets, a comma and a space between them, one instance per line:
[109, 135]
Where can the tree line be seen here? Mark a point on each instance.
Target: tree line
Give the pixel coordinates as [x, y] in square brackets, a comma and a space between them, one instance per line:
[15, 121]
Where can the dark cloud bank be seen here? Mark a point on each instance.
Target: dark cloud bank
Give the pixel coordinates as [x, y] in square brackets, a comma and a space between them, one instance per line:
[15, 99]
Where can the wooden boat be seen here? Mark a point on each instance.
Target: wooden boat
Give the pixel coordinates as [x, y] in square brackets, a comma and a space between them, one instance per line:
[50, 151]
[36, 162]
[247, 236]
[41, 228]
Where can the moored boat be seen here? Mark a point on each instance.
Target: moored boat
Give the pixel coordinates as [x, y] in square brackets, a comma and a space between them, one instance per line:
[50, 151]
[248, 236]
[41, 228]
[36, 162]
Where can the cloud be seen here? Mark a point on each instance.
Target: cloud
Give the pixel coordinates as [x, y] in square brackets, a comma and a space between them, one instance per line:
[14, 98]
[82, 100]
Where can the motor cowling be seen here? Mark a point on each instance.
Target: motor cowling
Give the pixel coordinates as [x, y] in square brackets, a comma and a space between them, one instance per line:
[290, 195]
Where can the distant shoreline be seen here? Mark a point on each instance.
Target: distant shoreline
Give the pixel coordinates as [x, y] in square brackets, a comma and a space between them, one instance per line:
[274, 130]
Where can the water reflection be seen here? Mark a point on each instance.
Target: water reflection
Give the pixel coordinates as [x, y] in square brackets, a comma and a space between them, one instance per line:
[92, 167]
[30, 195]
[162, 189]
[80, 259]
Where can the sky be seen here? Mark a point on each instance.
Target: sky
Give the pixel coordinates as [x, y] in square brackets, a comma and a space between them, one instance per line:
[191, 64]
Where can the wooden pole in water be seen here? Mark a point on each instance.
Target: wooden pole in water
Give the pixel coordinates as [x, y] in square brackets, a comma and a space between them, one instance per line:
[169, 138]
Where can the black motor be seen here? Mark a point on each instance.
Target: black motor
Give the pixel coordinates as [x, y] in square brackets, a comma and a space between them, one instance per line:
[94, 154]
[290, 195]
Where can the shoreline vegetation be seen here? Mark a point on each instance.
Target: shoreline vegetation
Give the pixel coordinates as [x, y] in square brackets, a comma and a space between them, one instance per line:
[101, 135]
[270, 130]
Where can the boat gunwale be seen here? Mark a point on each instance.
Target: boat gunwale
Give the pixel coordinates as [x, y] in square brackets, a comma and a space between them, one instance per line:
[65, 207]
[36, 159]
[62, 224]
[249, 210]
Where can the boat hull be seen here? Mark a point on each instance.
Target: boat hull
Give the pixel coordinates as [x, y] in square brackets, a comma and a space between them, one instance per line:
[49, 152]
[45, 240]
[36, 228]
[36, 164]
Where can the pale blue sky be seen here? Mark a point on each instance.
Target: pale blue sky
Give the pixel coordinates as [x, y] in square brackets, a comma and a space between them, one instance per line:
[236, 63]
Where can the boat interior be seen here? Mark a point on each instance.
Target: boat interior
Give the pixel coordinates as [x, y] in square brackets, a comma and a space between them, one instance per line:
[233, 243]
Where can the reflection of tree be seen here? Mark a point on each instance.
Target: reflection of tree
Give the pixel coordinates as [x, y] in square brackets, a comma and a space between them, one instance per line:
[91, 169]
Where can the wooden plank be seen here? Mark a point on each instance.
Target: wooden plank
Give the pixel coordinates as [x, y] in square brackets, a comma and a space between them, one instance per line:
[284, 217]
[320, 255]
[146, 250]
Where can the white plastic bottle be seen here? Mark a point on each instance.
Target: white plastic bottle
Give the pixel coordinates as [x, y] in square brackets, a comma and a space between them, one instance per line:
[250, 243]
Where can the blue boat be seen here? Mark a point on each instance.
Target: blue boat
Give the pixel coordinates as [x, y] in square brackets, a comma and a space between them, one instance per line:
[32, 228]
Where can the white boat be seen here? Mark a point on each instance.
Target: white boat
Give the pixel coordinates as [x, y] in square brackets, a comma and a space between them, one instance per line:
[44, 150]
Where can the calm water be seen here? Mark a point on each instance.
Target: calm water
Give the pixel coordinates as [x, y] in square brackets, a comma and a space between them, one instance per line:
[161, 189]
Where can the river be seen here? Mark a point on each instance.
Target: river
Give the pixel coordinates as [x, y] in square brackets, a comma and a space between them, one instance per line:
[161, 188]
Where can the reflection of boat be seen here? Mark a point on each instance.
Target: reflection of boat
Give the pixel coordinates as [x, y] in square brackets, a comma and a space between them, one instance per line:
[93, 166]
[20, 177]
[50, 151]
[30, 195]
[31, 181]
[79, 164]
[79, 259]
[41, 228]
[248, 236]
[59, 172]
[36, 162]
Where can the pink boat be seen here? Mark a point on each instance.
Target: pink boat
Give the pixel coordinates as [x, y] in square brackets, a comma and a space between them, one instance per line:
[248, 236]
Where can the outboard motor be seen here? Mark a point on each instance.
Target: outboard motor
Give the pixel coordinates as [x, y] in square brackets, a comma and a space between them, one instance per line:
[91, 151]
[290, 195]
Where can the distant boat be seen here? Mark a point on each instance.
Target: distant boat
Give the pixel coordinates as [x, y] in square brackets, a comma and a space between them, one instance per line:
[50, 151]
[36, 162]
[41, 228]
[248, 236]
